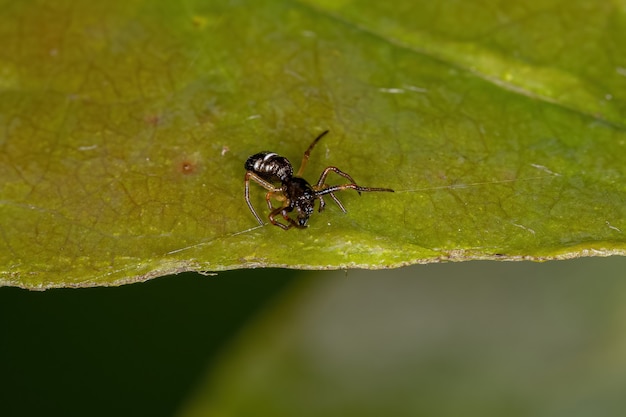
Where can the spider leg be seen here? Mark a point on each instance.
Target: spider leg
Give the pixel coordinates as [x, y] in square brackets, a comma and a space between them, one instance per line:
[273, 214]
[265, 184]
[336, 200]
[305, 158]
[321, 182]
[278, 195]
[331, 190]
[292, 223]
[323, 203]
[283, 211]
[335, 188]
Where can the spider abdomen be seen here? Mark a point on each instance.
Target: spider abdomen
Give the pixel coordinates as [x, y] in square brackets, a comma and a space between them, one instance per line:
[270, 166]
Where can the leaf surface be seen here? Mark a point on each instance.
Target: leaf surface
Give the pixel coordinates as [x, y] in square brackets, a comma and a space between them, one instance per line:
[124, 129]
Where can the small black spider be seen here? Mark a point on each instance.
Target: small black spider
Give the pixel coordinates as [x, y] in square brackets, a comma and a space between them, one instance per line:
[269, 169]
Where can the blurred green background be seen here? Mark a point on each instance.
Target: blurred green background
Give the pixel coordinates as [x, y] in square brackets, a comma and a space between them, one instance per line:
[127, 351]
[477, 338]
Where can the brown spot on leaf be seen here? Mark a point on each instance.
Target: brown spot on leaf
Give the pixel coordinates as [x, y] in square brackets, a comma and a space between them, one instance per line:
[153, 119]
[187, 164]
[187, 167]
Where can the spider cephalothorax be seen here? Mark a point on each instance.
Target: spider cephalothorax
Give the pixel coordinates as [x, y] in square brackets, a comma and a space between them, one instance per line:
[275, 173]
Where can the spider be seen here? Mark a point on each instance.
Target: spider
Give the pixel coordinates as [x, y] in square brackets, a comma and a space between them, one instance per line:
[269, 169]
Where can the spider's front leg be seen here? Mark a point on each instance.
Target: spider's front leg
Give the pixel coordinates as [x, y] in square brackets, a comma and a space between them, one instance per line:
[322, 202]
[275, 222]
[284, 211]
[332, 195]
[321, 183]
[331, 190]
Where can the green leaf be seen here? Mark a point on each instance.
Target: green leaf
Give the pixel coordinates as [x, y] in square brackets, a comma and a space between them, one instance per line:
[124, 128]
